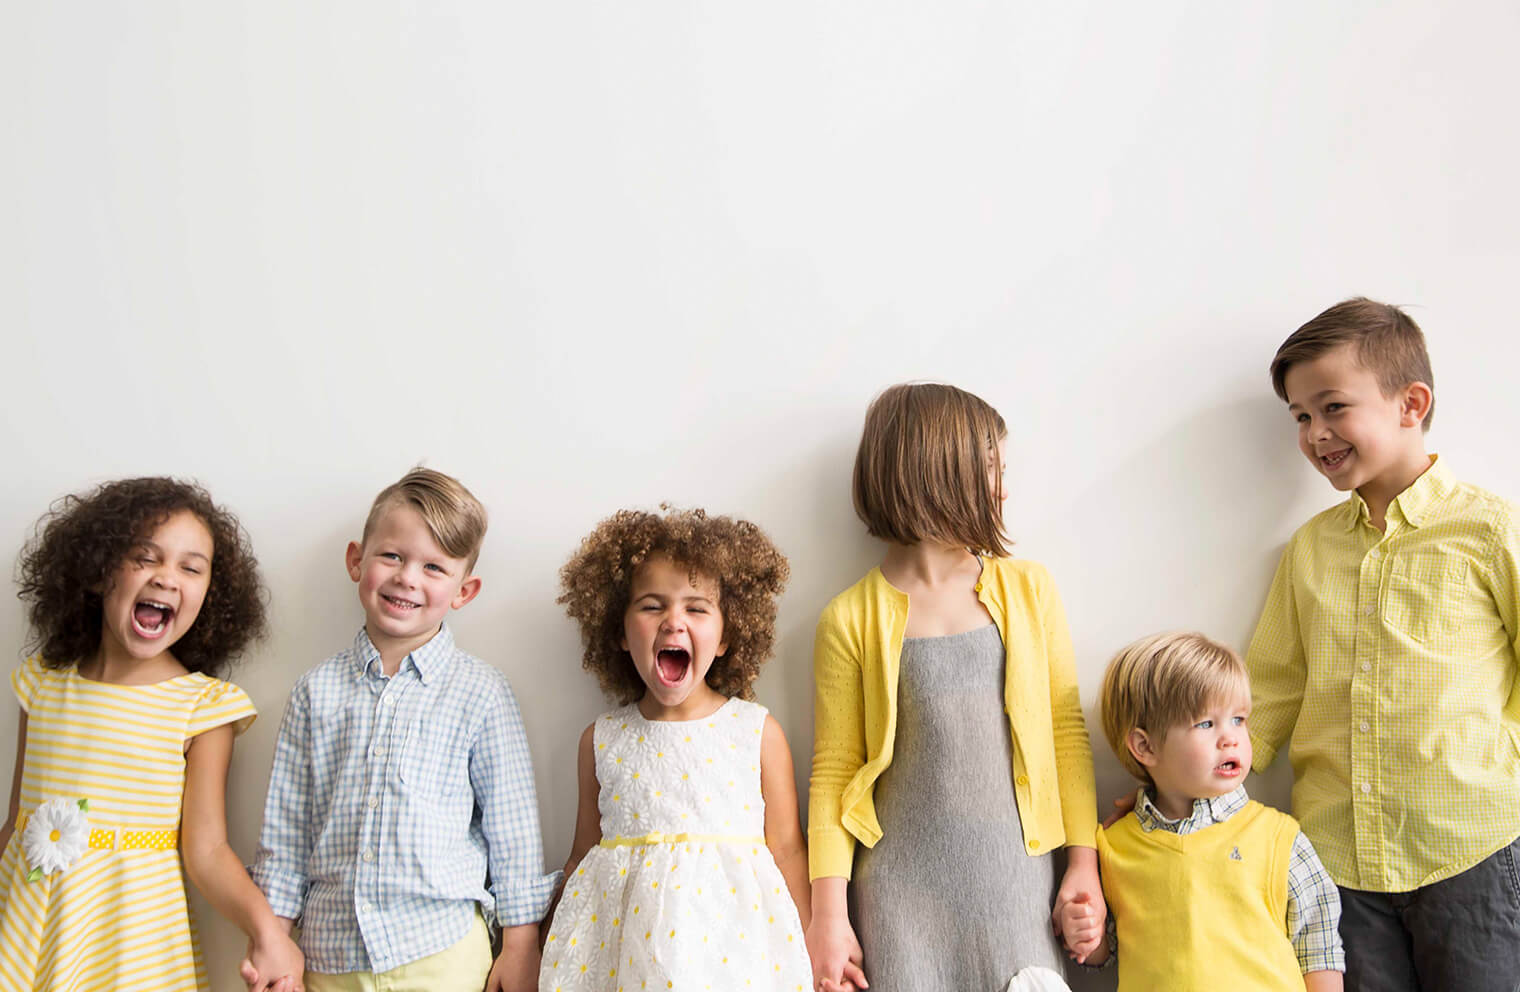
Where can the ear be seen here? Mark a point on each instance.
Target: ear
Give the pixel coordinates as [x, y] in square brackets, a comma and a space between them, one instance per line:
[1141, 748]
[468, 590]
[352, 557]
[722, 649]
[1415, 405]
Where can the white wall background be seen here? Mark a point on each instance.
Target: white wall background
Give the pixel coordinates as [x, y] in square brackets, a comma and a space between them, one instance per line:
[596, 255]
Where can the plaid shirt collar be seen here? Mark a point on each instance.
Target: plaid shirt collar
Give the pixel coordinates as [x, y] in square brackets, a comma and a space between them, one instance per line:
[1413, 504]
[428, 660]
[1206, 812]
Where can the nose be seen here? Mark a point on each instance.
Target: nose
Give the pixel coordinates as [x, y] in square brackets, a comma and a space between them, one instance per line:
[672, 623]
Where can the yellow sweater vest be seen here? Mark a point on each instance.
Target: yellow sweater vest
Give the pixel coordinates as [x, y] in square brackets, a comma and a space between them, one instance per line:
[1202, 911]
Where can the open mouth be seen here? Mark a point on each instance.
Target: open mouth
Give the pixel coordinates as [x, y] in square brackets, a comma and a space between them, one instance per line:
[150, 617]
[671, 665]
[1335, 459]
[1229, 767]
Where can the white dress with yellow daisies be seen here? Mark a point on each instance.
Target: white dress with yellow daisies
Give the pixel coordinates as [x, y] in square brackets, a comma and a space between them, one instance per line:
[115, 918]
[682, 894]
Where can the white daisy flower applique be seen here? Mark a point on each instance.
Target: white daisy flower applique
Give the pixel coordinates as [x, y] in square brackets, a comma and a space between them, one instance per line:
[56, 835]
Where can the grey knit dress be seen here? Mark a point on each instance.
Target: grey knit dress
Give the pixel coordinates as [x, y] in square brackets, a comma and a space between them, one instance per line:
[948, 899]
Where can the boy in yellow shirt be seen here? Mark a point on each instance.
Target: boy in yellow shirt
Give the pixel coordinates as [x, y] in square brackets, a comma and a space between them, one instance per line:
[1386, 658]
[1206, 888]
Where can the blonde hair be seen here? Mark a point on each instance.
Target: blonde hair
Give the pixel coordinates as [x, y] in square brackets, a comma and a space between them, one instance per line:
[454, 517]
[921, 471]
[1161, 682]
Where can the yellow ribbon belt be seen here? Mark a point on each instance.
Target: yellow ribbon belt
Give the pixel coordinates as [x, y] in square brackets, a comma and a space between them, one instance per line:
[652, 840]
[120, 838]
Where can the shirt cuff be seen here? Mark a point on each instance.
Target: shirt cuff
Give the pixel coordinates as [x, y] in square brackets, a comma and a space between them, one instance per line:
[526, 902]
[286, 892]
[831, 853]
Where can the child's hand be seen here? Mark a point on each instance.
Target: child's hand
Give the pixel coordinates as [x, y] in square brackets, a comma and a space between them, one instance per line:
[1122, 806]
[836, 954]
[1080, 925]
[273, 955]
[1081, 886]
[516, 967]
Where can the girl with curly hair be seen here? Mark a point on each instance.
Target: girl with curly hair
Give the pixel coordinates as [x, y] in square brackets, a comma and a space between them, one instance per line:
[688, 868]
[949, 753]
[139, 594]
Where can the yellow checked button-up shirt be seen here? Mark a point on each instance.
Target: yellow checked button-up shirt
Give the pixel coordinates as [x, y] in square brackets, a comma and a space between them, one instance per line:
[1390, 658]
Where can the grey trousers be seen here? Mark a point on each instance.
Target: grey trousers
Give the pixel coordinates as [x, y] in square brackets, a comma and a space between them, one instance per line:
[1461, 934]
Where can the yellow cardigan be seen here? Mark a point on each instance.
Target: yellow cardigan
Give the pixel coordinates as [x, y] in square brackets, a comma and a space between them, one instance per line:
[855, 658]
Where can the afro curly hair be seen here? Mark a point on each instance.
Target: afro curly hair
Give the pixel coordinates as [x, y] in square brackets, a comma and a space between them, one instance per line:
[64, 572]
[597, 581]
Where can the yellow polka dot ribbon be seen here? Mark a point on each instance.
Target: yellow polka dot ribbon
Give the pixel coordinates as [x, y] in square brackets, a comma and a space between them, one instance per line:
[652, 840]
[121, 838]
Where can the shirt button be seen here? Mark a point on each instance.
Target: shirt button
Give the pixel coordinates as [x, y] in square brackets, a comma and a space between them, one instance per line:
[379, 751]
[1366, 666]
[1374, 554]
[374, 802]
[1367, 609]
[369, 855]
[365, 908]
[1364, 726]
[1366, 787]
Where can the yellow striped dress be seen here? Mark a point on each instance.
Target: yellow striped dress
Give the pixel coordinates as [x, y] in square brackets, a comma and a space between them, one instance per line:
[116, 918]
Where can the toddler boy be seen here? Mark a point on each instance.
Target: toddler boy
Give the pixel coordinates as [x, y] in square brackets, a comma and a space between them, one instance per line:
[1206, 888]
[402, 779]
[1386, 654]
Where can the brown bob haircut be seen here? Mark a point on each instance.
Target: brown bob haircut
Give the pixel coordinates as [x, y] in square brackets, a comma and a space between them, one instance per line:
[454, 517]
[1161, 682]
[1388, 343]
[921, 472]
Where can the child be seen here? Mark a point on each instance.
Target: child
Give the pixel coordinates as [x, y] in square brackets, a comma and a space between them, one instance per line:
[402, 779]
[139, 594]
[1387, 654]
[949, 738]
[687, 870]
[1208, 889]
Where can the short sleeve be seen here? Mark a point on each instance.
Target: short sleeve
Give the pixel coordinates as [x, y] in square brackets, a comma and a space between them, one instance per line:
[26, 679]
[219, 703]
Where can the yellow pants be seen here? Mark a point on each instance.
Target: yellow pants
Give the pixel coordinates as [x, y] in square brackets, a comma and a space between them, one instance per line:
[463, 967]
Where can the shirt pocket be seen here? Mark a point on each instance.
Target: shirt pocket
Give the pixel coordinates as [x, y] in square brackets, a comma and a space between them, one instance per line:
[435, 760]
[1426, 598]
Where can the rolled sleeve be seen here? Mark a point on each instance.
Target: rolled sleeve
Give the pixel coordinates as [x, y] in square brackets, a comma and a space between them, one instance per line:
[1314, 911]
[285, 842]
[501, 775]
[1277, 666]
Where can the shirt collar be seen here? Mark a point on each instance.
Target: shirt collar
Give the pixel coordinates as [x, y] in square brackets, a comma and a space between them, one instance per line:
[1214, 809]
[1415, 503]
[428, 660]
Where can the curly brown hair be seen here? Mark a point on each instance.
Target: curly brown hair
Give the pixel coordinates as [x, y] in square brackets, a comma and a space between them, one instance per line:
[597, 581]
[64, 572]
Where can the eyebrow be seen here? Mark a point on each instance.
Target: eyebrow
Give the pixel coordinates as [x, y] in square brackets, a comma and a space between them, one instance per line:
[151, 545]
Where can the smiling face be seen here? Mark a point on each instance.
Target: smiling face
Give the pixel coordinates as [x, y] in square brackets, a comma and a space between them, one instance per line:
[1202, 759]
[156, 592]
[1357, 437]
[673, 629]
[407, 583]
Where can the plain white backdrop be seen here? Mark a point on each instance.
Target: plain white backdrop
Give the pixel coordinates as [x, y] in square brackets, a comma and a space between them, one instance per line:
[594, 255]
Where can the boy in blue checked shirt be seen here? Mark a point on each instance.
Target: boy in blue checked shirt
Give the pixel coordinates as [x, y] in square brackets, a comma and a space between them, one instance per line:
[402, 780]
[1386, 655]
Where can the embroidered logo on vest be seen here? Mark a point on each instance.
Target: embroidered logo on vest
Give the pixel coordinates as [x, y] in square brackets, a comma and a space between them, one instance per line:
[1235, 854]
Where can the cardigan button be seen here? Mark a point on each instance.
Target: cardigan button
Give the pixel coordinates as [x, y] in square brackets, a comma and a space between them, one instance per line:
[1023, 780]
[1034, 845]
[977, 587]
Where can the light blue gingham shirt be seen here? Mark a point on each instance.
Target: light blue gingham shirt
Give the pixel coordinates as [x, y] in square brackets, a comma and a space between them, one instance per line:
[391, 800]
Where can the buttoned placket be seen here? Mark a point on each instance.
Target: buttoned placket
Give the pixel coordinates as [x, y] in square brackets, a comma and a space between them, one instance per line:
[384, 753]
[1366, 769]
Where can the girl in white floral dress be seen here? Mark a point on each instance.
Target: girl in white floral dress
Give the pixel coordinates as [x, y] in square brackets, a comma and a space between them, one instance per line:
[688, 869]
[139, 593]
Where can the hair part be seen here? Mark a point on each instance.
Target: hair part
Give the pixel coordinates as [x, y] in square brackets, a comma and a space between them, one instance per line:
[453, 516]
[750, 573]
[1385, 340]
[1161, 682]
[65, 571]
[922, 473]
